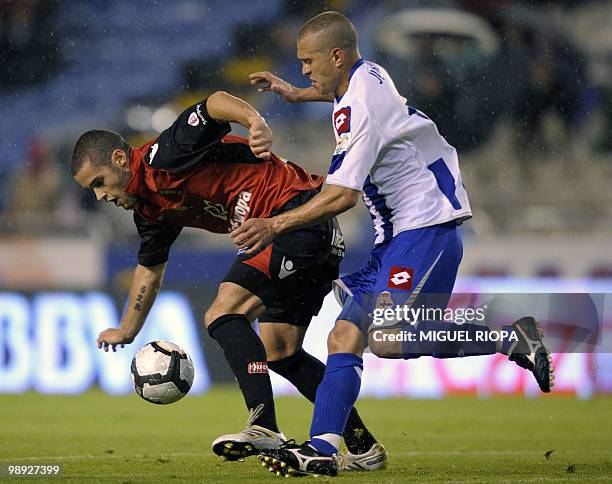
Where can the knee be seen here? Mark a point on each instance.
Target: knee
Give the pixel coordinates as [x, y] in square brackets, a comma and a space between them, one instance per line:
[215, 311]
[220, 308]
[233, 299]
[210, 316]
[280, 350]
[344, 339]
[376, 347]
[333, 341]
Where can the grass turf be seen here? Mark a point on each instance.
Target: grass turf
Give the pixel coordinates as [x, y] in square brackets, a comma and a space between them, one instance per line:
[100, 438]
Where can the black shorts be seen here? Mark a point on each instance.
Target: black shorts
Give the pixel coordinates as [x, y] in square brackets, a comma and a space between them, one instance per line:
[295, 272]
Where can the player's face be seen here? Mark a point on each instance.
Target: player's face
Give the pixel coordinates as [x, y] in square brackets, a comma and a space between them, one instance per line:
[108, 181]
[318, 65]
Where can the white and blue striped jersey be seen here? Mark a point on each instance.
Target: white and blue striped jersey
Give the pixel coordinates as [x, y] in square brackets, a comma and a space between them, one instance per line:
[393, 153]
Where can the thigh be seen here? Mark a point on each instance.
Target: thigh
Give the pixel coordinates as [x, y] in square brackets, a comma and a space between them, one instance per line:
[363, 280]
[296, 271]
[234, 299]
[421, 262]
[253, 278]
[300, 296]
[355, 291]
[418, 272]
[303, 267]
[417, 264]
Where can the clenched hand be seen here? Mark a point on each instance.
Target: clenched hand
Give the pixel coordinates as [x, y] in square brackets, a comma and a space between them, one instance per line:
[253, 234]
[260, 138]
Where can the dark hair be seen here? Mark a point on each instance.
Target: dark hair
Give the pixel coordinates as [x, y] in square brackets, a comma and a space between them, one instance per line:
[338, 30]
[96, 146]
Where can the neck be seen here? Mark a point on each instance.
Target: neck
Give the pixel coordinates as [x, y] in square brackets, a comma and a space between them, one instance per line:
[130, 157]
[346, 76]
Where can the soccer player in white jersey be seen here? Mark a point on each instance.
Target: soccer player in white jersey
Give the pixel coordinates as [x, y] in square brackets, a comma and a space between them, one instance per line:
[408, 175]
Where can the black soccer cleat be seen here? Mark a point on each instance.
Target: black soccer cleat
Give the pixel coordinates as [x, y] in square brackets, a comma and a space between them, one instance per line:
[530, 353]
[298, 460]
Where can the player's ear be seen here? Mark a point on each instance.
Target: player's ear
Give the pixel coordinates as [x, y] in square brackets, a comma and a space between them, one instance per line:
[119, 158]
[337, 57]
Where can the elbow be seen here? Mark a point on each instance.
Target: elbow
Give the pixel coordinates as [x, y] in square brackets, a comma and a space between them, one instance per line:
[215, 97]
[152, 273]
[217, 94]
[348, 200]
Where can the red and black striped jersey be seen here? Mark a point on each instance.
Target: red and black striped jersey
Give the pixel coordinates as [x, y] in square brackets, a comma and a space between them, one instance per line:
[196, 175]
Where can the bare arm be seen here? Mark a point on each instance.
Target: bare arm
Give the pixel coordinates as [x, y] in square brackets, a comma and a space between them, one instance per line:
[333, 200]
[143, 292]
[268, 82]
[145, 286]
[225, 107]
[310, 94]
[222, 106]
[256, 233]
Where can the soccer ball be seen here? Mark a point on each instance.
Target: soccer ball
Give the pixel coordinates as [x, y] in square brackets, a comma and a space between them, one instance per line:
[162, 372]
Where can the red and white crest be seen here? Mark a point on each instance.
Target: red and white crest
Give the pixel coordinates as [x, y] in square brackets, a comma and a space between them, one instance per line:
[342, 120]
[400, 278]
[193, 119]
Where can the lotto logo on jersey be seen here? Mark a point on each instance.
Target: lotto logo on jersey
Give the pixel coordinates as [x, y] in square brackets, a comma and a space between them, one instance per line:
[342, 120]
[400, 278]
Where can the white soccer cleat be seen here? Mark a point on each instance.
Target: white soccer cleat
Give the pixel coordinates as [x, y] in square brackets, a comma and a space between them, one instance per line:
[248, 442]
[372, 460]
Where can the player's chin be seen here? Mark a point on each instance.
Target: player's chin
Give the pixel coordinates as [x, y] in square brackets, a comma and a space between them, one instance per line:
[320, 89]
[128, 204]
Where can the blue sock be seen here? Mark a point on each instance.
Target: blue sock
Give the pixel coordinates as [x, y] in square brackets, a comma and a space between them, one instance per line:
[336, 395]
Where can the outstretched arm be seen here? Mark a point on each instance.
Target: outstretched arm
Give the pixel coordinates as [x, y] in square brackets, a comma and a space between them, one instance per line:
[222, 106]
[256, 233]
[268, 82]
[143, 292]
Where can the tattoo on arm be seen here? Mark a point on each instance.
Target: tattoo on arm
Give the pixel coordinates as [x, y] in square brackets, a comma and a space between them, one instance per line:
[139, 298]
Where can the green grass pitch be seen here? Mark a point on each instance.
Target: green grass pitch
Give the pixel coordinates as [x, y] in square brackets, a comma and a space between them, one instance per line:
[100, 438]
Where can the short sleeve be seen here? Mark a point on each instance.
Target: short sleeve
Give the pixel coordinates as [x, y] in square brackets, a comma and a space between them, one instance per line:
[181, 145]
[155, 241]
[358, 144]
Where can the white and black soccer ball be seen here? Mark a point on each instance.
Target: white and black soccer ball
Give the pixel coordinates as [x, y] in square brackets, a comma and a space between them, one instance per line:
[162, 372]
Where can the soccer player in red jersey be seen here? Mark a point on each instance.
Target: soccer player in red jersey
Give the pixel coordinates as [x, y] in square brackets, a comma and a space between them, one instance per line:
[194, 174]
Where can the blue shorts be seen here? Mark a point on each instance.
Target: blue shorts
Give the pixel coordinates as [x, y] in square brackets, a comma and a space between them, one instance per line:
[405, 269]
